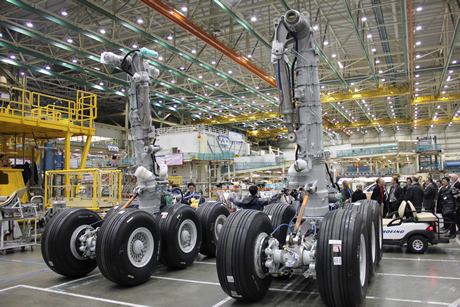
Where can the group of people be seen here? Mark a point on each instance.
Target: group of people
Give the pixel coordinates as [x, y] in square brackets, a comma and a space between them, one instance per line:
[442, 196]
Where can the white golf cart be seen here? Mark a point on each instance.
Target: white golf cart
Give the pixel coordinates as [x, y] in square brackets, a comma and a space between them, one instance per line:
[412, 227]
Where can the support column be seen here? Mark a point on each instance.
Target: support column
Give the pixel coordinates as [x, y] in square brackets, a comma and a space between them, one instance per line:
[84, 154]
[67, 164]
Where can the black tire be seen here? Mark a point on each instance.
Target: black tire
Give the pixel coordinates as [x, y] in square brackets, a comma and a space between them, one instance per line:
[128, 247]
[114, 209]
[239, 275]
[60, 244]
[366, 209]
[341, 263]
[176, 221]
[212, 217]
[417, 244]
[280, 214]
[379, 229]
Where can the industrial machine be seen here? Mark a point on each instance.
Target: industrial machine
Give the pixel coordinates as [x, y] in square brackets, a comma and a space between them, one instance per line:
[340, 248]
[126, 244]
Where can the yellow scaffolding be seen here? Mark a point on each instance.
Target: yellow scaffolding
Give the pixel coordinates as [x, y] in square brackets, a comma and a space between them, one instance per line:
[90, 188]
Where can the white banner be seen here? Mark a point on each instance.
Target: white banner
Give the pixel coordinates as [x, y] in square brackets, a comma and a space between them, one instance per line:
[174, 159]
[235, 137]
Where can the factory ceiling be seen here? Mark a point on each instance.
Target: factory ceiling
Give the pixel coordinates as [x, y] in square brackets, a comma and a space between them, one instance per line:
[383, 64]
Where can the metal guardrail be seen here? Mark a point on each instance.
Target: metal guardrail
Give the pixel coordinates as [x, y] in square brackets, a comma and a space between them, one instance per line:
[386, 149]
[189, 156]
[242, 166]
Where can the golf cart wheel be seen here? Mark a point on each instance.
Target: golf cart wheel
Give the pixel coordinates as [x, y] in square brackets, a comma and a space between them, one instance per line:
[60, 242]
[240, 255]
[417, 244]
[366, 209]
[341, 265]
[127, 247]
[212, 217]
[181, 235]
[280, 214]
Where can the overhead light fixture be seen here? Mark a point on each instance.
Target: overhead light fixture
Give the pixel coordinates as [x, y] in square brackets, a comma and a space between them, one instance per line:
[29, 24]
[22, 73]
[418, 43]
[12, 56]
[377, 61]
[326, 43]
[101, 83]
[253, 18]
[230, 71]
[374, 49]
[369, 35]
[454, 62]
[333, 55]
[315, 27]
[249, 55]
[140, 20]
[419, 8]
[184, 9]
[74, 60]
[340, 64]
[47, 67]
[170, 37]
[213, 62]
[64, 13]
[160, 58]
[102, 31]
[257, 87]
[193, 51]
[125, 90]
[418, 28]
[364, 18]
[134, 46]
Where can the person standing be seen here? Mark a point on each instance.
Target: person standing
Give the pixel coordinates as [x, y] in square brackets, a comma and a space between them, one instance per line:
[254, 201]
[358, 194]
[415, 194]
[448, 208]
[380, 195]
[346, 192]
[429, 195]
[408, 184]
[395, 195]
[456, 187]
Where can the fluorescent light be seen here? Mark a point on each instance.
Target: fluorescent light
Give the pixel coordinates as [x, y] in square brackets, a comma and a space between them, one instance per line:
[102, 31]
[253, 18]
[140, 20]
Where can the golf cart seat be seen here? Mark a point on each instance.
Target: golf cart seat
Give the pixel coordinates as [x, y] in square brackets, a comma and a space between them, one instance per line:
[13, 208]
[422, 216]
[401, 212]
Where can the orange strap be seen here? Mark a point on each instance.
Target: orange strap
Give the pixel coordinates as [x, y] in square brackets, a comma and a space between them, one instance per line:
[128, 202]
[302, 210]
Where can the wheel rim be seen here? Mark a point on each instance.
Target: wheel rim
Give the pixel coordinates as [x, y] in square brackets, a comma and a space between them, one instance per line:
[373, 243]
[187, 236]
[219, 224]
[75, 242]
[140, 247]
[380, 234]
[417, 244]
[362, 260]
[259, 259]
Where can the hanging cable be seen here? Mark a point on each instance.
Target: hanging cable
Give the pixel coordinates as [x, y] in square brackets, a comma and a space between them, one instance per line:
[124, 59]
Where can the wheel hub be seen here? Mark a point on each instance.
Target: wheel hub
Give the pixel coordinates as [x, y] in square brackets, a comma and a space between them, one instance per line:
[185, 236]
[417, 245]
[138, 246]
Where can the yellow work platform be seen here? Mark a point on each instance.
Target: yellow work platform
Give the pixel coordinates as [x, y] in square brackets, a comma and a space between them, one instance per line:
[31, 114]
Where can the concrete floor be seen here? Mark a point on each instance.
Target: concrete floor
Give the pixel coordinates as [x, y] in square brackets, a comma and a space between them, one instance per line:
[403, 279]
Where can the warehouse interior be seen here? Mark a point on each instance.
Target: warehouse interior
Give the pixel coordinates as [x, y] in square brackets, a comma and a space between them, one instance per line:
[111, 108]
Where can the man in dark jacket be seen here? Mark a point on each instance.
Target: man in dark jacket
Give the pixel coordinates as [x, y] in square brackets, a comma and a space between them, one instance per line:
[415, 194]
[456, 187]
[380, 194]
[358, 194]
[395, 195]
[253, 201]
[429, 195]
[346, 192]
[448, 208]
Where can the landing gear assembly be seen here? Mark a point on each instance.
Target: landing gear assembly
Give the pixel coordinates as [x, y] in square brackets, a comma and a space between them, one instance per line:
[339, 248]
[128, 244]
